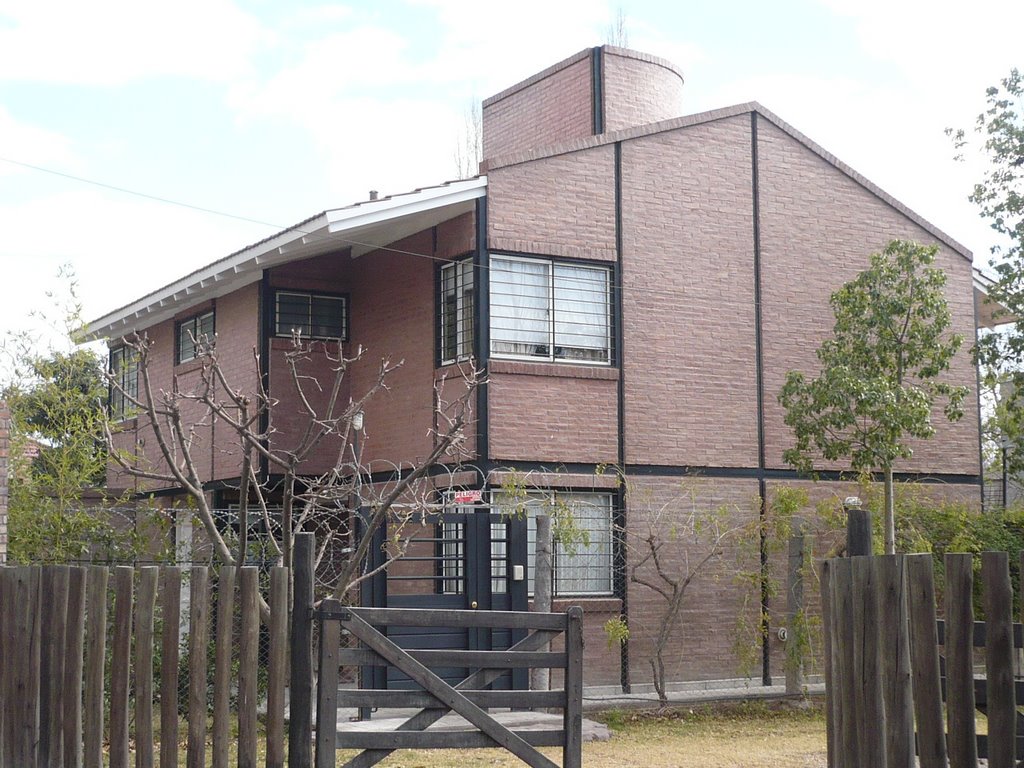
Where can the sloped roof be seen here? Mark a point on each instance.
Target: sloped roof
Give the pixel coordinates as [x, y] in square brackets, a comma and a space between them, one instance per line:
[364, 226]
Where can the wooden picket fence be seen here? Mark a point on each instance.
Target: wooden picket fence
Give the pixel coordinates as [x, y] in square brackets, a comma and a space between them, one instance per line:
[899, 681]
[69, 656]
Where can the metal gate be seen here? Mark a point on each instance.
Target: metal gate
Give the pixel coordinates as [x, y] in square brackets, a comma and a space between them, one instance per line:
[470, 559]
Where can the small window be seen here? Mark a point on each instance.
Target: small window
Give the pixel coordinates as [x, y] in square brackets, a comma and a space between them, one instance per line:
[457, 311]
[311, 315]
[192, 335]
[583, 561]
[124, 372]
[548, 310]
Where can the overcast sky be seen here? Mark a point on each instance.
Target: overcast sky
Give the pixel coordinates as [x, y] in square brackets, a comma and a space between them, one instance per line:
[274, 111]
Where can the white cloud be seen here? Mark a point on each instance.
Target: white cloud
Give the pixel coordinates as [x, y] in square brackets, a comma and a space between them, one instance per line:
[113, 42]
[33, 145]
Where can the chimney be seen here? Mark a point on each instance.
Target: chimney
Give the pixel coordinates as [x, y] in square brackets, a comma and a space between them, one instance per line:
[373, 194]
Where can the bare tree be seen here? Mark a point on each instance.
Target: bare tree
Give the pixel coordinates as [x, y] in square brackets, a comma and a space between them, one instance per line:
[469, 148]
[617, 33]
[681, 540]
[287, 498]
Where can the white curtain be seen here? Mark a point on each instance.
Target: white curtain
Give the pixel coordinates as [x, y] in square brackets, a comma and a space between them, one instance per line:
[581, 311]
[520, 302]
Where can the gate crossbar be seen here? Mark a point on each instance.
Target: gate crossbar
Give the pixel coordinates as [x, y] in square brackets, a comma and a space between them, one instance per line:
[445, 697]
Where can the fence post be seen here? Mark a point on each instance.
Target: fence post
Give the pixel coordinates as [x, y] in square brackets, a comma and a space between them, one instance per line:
[75, 645]
[170, 613]
[300, 724]
[120, 663]
[870, 713]
[894, 649]
[961, 740]
[223, 645]
[95, 655]
[831, 728]
[145, 607]
[924, 656]
[248, 666]
[327, 688]
[842, 651]
[278, 666]
[572, 754]
[858, 529]
[198, 640]
[997, 598]
[795, 618]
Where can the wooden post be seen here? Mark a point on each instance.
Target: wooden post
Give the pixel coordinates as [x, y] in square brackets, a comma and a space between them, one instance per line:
[572, 753]
[6, 652]
[51, 670]
[75, 647]
[831, 730]
[924, 656]
[24, 704]
[327, 688]
[248, 667]
[222, 666]
[894, 649]
[858, 532]
[543, 588]
[961, 739]
[300, 723]
[278, 666]
[95, 657]
[866, 657]
[120, 663]
[997, 599]
[145, 607]
[842, 648]
[794, 665]
[170, 614]
[198, 640]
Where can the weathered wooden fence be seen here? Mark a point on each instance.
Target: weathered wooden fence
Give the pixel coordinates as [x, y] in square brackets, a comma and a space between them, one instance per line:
[88, 652]
[470, 697]
[890, 664]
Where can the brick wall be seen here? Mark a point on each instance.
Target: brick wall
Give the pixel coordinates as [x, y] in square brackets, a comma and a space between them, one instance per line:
[639, 89]
[553, 105]
[5, 444]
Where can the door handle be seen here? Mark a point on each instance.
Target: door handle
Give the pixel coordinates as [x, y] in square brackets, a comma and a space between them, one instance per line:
[473, 605]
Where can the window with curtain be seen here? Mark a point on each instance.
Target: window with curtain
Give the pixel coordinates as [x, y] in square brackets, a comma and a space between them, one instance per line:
[192, 334]
[456, 311]
[550, 310]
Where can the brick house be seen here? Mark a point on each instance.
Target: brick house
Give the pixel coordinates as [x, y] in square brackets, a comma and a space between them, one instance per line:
[635, 284]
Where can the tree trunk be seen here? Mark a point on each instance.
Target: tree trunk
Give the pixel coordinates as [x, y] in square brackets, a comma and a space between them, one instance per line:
[543, 577]
[890, 514]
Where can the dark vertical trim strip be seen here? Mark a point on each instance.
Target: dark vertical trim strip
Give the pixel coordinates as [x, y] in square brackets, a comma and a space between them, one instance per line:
[977, 392]
[482, 335]
[597, 89]
[620, 517]
[766, 670]
[265, 313]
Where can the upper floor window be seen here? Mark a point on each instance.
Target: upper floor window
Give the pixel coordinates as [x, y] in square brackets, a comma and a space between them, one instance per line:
[124, 373]
[192, 335]
[550, 310]
[456, 311]
[311, 315]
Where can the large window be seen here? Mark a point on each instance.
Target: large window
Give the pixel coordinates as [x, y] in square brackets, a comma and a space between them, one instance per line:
[550, 310]
[312, 315]
[124, 372]
[456, 311]
[192, 335]
[582, 528]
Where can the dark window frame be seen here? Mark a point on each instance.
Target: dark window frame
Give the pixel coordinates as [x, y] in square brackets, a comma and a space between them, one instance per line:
[312, 296]
[456, 308]
[189, 335]
[124, 369]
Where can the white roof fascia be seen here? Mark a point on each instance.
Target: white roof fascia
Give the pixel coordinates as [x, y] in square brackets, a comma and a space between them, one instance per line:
[247, 266]
[368, 214]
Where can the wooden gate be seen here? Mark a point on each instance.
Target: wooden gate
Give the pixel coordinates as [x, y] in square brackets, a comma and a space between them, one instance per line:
[469, 698]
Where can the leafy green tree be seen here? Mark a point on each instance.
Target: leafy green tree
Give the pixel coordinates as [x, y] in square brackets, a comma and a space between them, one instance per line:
[57, 393]
[1000, 198]
[880, 372]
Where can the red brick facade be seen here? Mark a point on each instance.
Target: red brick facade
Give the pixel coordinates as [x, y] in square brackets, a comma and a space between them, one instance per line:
[697, 217]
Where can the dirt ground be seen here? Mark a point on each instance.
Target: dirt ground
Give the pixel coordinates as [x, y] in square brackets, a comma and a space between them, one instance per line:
[734, 736]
